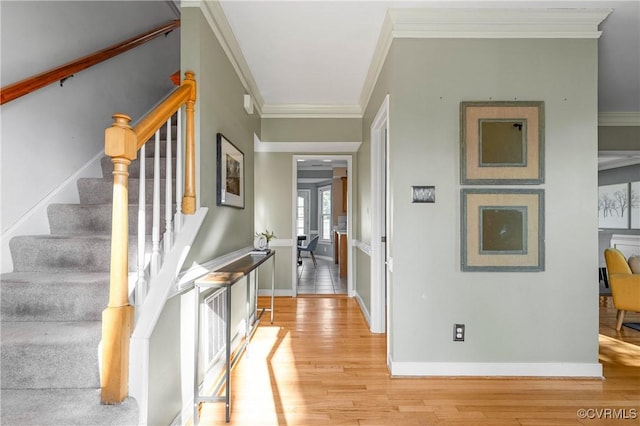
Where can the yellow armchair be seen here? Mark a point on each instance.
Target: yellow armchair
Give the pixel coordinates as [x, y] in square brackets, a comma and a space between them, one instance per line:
[625, 286]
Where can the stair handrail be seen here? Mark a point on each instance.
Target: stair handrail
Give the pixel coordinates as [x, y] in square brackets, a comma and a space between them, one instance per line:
[63, 72]
[121, 144]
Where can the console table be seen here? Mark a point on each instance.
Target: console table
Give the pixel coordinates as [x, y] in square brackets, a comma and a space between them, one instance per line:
[225, 278]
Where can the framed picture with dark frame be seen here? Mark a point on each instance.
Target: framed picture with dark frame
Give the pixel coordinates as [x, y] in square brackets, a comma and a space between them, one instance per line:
[502, 230]
[502, 142]
[230, 174]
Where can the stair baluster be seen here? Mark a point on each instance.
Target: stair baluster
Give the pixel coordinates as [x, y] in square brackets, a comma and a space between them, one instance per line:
[178, 217]
[168, 203]
[155, 230]
[141, 285]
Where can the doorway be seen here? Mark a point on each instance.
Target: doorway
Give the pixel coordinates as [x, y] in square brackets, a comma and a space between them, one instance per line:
[326, 269]
[381, 231]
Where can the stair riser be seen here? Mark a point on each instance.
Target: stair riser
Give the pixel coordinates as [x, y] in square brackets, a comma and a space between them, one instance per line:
[95, 219]
[43, 364]
[58, 254]
[100, 191]
[134, 168]
[53, 301]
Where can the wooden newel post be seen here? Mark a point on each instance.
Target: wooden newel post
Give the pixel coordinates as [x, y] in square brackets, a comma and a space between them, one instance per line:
[117, 318]
[189, 198]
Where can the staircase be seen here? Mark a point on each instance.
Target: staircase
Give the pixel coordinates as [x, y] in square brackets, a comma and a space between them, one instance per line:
[51, 307]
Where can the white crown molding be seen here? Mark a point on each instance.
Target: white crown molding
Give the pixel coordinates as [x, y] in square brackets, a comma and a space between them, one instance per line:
[497, 23]
[619, 119]
[217, 20]
[479, 23]
[311, 111]
[377, 62]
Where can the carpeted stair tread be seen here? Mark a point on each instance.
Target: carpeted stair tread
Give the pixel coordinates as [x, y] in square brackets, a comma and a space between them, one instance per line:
[95, 219]
[100, 190]
[50, 354]
[66, 407]
[65, 253]
[53, 296]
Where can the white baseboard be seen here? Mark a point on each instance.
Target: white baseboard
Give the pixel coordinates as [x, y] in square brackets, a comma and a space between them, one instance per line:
[363, 308]
[496, 369]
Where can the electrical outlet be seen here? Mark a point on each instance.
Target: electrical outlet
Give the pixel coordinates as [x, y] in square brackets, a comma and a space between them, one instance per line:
[458, 332]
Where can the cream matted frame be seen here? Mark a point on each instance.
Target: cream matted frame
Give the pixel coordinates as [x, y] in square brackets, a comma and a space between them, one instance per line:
[525, 204]
[528, 116]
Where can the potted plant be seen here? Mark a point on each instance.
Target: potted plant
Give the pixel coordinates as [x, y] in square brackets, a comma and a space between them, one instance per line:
[262, 239]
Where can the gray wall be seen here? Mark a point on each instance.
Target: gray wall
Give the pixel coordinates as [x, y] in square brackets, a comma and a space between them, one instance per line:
[219, 108]
[619, 138]
[510, 317]
[311, 130]
[51, 133]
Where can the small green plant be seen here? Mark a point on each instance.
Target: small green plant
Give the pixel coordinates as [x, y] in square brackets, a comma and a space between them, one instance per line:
[269, 235]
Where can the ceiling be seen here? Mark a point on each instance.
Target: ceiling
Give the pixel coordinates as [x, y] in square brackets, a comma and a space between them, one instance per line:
[312, 57]
[318, 53]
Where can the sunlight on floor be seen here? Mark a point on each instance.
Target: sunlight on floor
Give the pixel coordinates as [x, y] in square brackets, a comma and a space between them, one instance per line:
[270, 348]
[617, 351]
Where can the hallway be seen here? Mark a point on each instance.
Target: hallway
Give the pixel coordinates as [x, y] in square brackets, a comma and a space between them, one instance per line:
[318, 364]
[325, 279]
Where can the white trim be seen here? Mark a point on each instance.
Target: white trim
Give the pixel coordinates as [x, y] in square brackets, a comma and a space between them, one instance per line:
[305, 147]
[378, 316]
[497, 23]
[493, 369]
[619, 119]
[281, 242]
[364, 247]
[165, 282]
[363, 308]
[379, 56]
[311, 111]
[217, 20]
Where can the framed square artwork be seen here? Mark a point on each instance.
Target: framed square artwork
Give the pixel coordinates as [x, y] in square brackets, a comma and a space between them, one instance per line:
[502, 230]
[502, 142]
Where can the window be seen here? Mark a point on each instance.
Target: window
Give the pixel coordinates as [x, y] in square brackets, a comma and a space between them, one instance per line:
[302, 212]
[324, 212]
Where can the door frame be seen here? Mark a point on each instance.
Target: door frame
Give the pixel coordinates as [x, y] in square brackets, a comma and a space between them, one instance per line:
[294, 195]
[379, 145]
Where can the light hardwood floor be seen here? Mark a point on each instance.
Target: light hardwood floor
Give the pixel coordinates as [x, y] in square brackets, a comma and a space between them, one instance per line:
[319, 365]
